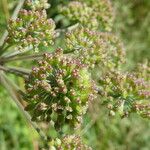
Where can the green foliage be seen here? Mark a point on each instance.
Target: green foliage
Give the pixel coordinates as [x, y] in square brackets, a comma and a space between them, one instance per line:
[114, 134]
[14, 132]
[132, 23]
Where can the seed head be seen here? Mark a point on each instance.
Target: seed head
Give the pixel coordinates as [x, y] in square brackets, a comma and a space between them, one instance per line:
[95, 47]
[59, 86]
[31, 30]
[127, 92]
[69, 142]
[99, 13]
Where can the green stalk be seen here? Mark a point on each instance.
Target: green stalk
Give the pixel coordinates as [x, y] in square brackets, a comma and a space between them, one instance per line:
[32, 57]
[5, 8]
[16, 97]
[16, 71]
[19, 56]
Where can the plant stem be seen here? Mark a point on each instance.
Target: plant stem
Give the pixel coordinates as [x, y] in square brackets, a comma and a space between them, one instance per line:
[19, 56]
[16, 53]
[16, 97]
[3, 48]
[17, 71]
[5, 8]
[14, 16]
[32, 57]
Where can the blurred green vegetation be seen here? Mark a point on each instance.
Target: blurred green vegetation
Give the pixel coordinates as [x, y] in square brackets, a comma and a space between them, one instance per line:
[133, 133]
[14, 131]
[132, 24]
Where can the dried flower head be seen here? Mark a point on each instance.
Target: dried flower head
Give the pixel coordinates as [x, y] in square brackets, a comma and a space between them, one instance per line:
[58, 90]
[31, 30]
[95, 47]
[91, 14]
[127, 92]
[69, 142]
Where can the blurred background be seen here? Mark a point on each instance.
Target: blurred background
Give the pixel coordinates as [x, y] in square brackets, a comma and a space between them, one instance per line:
[132, 24]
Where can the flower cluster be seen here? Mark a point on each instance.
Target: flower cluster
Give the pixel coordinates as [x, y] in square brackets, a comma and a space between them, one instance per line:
[69, 142]
[143, 70]
[104, 13]
[95, 47]
[99, 13]
[78, 12]
[58, 90]
[37, 4]
[115, 52]
[127, 92]
[31, 30]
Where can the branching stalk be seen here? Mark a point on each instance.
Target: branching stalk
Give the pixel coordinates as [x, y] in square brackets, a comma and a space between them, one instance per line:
[19, 56]
[17, 71]
[32, 57]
